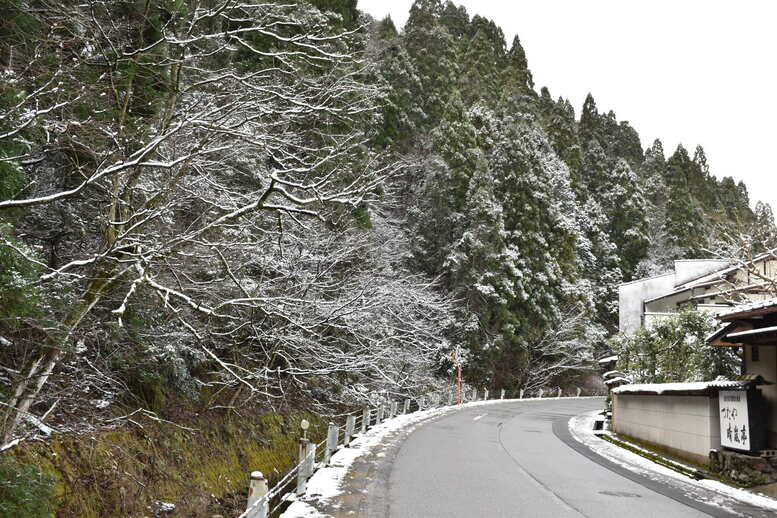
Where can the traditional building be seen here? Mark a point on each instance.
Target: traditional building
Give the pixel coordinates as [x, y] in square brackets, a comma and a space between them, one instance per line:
[705, 284]
[753, 327]
[731, 425]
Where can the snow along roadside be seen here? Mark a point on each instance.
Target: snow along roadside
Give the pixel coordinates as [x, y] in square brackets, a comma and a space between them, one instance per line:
[710, 492]
[325, 485]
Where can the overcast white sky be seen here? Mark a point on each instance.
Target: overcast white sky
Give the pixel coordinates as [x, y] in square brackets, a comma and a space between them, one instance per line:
[691, 71]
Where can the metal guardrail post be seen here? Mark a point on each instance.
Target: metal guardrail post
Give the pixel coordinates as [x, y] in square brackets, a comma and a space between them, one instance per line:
[406, 407]
[579, 390]
[365, 419]
[257, 489]
[302, 473]
[332, 435]
[485, 395]
[502, 395]
[350, 425]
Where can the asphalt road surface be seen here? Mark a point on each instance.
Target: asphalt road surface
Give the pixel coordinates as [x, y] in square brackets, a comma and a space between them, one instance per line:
[505, 460]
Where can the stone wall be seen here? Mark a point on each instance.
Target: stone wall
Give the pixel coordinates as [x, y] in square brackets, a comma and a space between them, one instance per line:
[744, 469]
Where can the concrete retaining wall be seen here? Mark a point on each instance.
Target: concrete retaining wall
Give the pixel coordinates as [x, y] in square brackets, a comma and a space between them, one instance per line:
[686, 425]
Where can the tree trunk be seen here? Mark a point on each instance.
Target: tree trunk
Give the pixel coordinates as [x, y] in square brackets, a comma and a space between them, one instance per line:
[38, 371]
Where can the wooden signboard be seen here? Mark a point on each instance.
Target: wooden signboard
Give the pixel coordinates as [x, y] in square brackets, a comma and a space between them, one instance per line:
[734, 420]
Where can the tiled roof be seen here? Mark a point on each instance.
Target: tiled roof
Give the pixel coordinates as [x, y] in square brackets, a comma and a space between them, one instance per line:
[662, 388]
[752, 306]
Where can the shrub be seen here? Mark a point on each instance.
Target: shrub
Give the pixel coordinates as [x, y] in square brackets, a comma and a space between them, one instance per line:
[25, 491]
[675, 351]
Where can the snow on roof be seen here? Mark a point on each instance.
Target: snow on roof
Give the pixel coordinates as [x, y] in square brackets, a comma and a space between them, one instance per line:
[752, 332]
[661, 388]
[650, 278]
[619, 379]
[719, 332]
[609, 359]
[719, 274]
[710, 278]
[753, 306]
[612, 373]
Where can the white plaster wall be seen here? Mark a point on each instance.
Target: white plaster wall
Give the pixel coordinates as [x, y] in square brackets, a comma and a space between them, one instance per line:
[668, 304]
[632, 295]
[689, 424]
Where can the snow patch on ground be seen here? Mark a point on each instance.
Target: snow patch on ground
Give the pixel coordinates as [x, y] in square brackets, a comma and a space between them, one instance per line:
[325, 484]
[302, 510]
[710, 492]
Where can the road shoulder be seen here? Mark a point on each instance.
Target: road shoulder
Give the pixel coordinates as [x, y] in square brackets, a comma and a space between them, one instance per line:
[710, 497]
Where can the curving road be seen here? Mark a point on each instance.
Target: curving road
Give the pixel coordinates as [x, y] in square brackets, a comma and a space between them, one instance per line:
[505, 460]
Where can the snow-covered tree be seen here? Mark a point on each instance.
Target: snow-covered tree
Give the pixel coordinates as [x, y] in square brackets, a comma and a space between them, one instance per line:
[675, 351]
[189, 141]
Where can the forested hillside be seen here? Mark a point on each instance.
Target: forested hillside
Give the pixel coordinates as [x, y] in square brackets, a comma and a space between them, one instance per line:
[211, 206]
[531, 213]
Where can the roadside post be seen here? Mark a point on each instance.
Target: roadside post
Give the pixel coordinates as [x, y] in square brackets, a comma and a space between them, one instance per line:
[331, 442]
[350, 425]
[365, 419]
[257, 489]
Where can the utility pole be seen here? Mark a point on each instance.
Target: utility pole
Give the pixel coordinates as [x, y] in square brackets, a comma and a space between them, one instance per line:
[458, 374]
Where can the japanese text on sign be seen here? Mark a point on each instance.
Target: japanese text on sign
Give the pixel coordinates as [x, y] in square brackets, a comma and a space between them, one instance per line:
[734, 422]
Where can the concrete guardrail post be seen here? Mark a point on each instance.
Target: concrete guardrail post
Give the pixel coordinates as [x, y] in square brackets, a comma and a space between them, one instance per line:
[451, 398]
[541, 392]
[302, 472]
[579, 390]
[379, 418]
[257, 489]
[365, 419]
[502, 395]
[332, 435]
[559, 393]
[521, 394]
[474, 394]
[485, 395]
[350, 426]
[406, 407]
[310, 460]
[394, 406]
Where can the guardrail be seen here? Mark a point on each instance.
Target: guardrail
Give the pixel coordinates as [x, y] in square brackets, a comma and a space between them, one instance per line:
[263, 501]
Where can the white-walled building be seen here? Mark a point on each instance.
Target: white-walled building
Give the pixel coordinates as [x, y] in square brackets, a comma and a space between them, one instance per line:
[706, 284]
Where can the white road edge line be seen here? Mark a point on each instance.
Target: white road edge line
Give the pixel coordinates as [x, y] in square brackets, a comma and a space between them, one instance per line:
[478, 417]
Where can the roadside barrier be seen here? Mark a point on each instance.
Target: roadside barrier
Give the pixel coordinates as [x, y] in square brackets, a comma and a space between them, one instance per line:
[263, 501]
